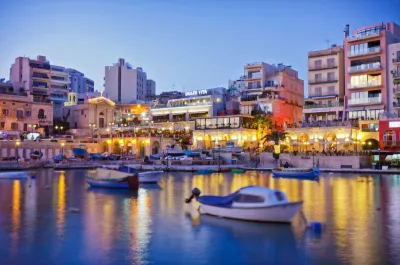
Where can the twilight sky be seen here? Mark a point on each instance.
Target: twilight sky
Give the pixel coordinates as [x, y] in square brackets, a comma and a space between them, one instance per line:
[191, 44]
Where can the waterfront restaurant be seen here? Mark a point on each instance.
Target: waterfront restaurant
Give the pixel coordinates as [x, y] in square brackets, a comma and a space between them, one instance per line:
[213, 131]
[196, 104]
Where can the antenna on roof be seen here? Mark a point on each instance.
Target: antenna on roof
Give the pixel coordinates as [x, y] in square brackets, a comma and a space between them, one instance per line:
[328, 42]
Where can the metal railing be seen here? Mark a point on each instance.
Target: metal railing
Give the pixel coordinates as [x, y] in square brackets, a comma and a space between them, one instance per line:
[364, 67]
[319, 106]
[364, 36]
[323, 80]
[321, 67]
[355, 101]
[364, 51]
[364, 84]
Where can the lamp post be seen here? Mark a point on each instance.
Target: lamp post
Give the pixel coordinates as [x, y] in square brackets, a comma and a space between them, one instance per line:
[62, 150]
[17, 143]
[313, 153]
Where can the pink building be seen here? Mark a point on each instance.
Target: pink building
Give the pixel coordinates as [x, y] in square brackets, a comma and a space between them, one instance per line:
[368, 92]
[273, 88]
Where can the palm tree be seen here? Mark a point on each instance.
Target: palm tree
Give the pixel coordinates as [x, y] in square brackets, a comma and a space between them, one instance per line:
[275, 136]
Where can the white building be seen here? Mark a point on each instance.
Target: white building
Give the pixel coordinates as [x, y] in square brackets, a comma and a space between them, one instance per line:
[43, 80]
[124, 84]
[79, 83]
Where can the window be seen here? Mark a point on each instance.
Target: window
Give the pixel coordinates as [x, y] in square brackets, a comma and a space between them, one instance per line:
[246, 198]
[331, 90]
[331, 76]
[81, 112]
[101, 122]
[25, 127]
[27, 113]
[5, 111]
[331, 62]
[41, 114]
[318, 91]
[317, 64]
[2, 125]
[389, 138]
[318, 77]
[279, 196]
[20, 113]
[14, 126]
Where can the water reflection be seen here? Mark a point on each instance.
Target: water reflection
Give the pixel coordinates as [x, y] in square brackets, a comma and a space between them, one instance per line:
[360, 216]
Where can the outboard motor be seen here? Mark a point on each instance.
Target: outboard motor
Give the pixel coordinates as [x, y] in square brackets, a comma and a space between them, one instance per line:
[195, 194]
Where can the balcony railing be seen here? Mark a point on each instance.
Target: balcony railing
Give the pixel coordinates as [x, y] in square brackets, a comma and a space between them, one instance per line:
[364, 67]
[40, 75]
[321, 95]
[322, 67]
[321, 106]
[364, 52]
[249, 98]
[396, 60]
[364, 36]
[364, 84]
[323, 80]
[356, 101]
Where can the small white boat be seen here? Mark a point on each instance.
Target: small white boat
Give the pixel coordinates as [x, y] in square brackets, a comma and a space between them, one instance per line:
[13, 175]
[121, 173]
[253, 203]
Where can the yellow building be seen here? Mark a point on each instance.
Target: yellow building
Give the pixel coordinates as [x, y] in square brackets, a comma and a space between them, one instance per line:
[18, 112]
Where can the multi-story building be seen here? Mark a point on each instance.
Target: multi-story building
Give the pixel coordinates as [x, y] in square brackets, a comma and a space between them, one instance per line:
[125, 84]
[325, 85]
[43, 80]
[368, 93]
[19, 112]
[131, 114]
[150, 88]
[195, 104]
[273, 88]
[394, 75]
[162, 99]
[236, 87]
[79, 83]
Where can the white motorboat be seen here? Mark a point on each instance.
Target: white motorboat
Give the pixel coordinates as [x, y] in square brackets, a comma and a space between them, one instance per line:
[13, 175]
[252, 203]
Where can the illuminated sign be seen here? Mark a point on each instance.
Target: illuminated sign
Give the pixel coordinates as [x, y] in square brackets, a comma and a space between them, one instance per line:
[394, 124]
[196, 93]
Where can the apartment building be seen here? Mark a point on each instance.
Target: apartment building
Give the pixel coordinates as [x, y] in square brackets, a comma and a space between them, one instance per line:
[394, 75]
[20, 113]
[368, 92]
[124, 84]
[325, 85]
[78, 82]
[273, 88]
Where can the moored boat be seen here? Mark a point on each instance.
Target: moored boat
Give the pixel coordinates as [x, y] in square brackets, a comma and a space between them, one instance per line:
[206, 171]
[301, 173]
[238, 170]
[252, 203]
[13, 175]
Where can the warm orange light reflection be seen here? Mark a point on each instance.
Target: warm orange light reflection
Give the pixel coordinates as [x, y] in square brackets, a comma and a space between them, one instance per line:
[16, 209]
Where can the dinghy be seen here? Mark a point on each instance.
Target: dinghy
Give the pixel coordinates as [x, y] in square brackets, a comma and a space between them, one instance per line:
[301, 173]
[252, 203]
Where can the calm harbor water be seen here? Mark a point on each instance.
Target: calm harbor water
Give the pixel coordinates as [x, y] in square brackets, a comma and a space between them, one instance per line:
[39, 224]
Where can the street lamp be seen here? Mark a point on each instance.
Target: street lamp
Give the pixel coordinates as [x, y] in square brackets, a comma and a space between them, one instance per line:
[313, 153]
[17, 144]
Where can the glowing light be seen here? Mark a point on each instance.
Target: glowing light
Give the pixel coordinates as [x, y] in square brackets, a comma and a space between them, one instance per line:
[108, 141]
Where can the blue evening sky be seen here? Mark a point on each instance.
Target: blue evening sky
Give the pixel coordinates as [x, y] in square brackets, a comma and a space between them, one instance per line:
[191, 44]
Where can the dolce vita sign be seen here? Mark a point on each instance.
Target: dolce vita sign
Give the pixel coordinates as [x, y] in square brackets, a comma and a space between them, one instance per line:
[196, 93]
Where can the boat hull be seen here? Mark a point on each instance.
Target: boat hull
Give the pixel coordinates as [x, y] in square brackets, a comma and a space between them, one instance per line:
[13, 175]
[281, 213]
[108, 184]
[150, 177]
[307, 175]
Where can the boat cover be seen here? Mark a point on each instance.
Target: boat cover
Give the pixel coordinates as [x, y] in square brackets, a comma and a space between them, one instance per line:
[79, 152]
[219, 201]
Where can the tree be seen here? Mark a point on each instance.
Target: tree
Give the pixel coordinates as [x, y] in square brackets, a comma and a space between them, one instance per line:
[275, 136]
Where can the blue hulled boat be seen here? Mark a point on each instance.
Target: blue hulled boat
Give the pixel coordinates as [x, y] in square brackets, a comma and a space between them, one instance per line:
[205, 171]
[300, 173]
[80, 152]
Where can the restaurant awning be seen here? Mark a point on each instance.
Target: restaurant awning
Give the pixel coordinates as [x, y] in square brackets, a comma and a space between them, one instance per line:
[355, 108]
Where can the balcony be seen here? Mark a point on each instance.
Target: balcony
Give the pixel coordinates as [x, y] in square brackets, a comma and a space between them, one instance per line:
[322, 67]
[396, 105]
[254, 87]
[373, 83]
[359, 101]
[364, 67]
[371, 34]
[40, 75]
[322, 80]
[316, 95]
[367, 51]
[322, 106]
[249, 98]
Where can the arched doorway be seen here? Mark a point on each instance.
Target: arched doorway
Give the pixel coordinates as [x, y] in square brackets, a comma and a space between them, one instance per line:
[155, 149]
[116, 148]
[101, 120]
[129, 148]
[370, 144]
[207, 142]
